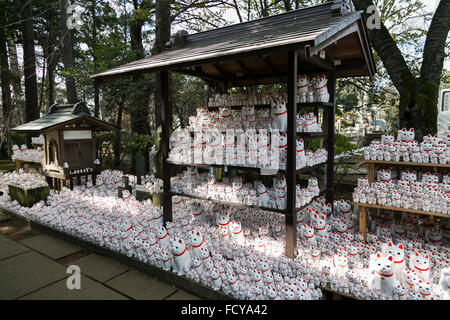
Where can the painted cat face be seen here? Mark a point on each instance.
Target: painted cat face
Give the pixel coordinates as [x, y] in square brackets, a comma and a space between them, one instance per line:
[423, 288]
[344, 206]
[420, 262]
[386, 138]
[397, 252]
[177, 245]
[280, 108]
[340, 260]
[384, 266]
[283, 139]
[308, 231]
[302, 80]
[320, 80]
[235, 226]
[223, 218]
[196, 238]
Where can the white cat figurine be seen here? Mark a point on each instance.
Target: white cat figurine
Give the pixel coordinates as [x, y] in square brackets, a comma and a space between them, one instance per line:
[383, 278]
[444, 283]
[279, 116]
[397, 253]
[321, 90]
[182, 261]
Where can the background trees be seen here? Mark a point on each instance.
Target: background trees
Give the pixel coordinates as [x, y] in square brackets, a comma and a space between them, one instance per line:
[42, 62]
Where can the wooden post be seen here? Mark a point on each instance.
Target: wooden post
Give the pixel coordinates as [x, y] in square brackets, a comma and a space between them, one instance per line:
[371, 172]
[291, 168]
[362, 221]
[140, 166]
[166, 123]
[330, 140]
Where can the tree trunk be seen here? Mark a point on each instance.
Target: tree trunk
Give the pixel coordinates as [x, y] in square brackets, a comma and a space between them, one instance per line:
[5, 79]
[15, 72]
[139, 109]
[162, 30]
[94, 57]
[67, 53]
[52, 60]
[51, 81]
[418, 107]
[434, 49]
[418, 96]
[6, 92]
[118, 135]
[16, 75]
[29, 62]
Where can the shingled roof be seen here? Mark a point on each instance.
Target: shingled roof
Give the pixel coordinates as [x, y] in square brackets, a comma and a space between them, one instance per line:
[247, 50]
[60, 115]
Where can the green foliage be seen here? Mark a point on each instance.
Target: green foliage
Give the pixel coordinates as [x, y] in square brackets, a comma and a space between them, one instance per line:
[341, 144]
[18, 138]
[129, 146]
[137, 142]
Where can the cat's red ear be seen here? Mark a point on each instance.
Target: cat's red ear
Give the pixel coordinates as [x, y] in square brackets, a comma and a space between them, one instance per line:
[390, 258]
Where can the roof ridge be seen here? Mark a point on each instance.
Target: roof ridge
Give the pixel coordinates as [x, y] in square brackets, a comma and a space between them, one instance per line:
[253, 22]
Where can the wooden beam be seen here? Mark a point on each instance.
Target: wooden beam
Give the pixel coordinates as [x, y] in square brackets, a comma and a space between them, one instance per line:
[201, 75]
[268, 64]
[335, 37]
[219, 69]
[291, 167]
[308, 56]
[243, 67]
[331, 135]
[166, 123]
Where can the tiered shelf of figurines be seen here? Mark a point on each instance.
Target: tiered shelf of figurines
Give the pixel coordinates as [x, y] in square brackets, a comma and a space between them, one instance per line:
[24, 155]
[418, 185]
[248, 132]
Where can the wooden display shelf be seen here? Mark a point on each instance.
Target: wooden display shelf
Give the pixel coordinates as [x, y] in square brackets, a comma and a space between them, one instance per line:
[377, 206]
[299, 104]
[226, 202]
[19, 162]
[243, 204]
[312, 135]
[363, 207]
[279, 171]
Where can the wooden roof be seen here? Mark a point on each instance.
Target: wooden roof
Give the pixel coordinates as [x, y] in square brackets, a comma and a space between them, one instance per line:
[59, 116]
[255, 52]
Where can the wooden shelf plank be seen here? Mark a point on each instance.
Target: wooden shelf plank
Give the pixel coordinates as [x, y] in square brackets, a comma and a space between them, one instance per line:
[412, 164]
[27, 161]
[226, 202]
[377, 206]
[312, 135]
[299, 105]
[207, 166]
[243, 204]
